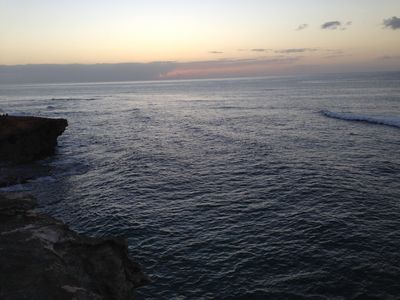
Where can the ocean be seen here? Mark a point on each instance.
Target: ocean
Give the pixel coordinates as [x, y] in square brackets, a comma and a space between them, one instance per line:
[248, 188]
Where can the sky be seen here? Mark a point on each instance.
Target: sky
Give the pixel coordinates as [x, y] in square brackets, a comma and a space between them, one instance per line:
[160, 39]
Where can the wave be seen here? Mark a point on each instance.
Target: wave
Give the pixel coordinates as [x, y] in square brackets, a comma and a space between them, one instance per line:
[238, 107]
[381, 120]
[19, 187]
[73, 99]
[43, 179]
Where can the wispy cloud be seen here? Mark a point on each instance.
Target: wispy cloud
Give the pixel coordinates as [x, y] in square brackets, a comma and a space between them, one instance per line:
[215, 52]
[231, 67]
[336, 25]
[302, 27]
[144, 71]
[49, 73]
[392, 23]
[333, 25]
[254, 50]
[259, 50]
[335, 53]
[390, 57]
[278, 59]
[296, 50]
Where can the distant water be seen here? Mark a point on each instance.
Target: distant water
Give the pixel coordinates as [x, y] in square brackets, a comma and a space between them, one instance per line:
[258, 188]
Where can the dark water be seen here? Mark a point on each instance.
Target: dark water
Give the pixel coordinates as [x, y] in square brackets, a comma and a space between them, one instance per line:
[257, 188]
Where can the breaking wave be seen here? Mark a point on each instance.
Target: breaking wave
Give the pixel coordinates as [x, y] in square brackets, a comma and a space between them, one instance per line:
[73, 99]
[382, 120]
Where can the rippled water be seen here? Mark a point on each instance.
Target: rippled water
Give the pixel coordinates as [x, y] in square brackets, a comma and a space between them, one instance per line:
[236, 188]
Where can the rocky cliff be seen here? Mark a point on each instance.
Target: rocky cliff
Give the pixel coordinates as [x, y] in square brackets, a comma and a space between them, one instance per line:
[41, 258]
[24, 139]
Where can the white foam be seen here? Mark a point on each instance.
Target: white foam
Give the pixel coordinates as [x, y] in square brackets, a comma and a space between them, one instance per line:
[14, 188]
[43, 179]
[383, 120]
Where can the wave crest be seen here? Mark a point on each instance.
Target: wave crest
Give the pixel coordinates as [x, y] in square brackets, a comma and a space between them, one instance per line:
[381, 120]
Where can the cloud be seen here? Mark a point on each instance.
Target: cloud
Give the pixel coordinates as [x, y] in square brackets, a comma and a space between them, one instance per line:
[259, 50]
[53, 73]
[390, 57]
[231, 67]
[335, 53]
[278, 59]
[392, 23]
[336, 25]
[302, 27]
[331, 25]
[74, 73]
[215, 52]
[296, 50]
[254, 50]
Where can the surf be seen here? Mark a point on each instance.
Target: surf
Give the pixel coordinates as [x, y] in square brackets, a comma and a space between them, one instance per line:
[347, 116]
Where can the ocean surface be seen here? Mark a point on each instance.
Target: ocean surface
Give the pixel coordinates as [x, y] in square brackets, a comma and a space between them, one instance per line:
[256, 188]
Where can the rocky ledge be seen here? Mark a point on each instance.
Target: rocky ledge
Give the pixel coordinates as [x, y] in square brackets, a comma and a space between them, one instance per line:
[25, 139]
[41, 258]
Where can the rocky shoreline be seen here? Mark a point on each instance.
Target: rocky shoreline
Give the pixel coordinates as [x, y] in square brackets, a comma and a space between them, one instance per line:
[40, 257]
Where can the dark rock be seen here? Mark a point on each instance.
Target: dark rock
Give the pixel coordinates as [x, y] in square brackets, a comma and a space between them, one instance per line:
[41, 258]
[24, 139]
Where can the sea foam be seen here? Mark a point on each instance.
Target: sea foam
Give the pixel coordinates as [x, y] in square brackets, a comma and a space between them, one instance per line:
[382, 120]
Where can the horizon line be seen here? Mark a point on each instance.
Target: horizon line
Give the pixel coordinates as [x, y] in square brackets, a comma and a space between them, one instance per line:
[227, 77]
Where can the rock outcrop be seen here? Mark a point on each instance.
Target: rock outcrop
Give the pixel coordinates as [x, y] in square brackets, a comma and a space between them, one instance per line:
[41, 258]
[25, 139]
